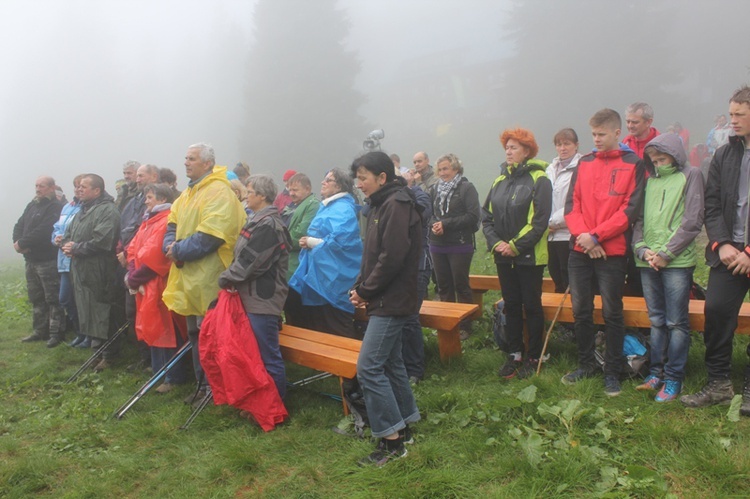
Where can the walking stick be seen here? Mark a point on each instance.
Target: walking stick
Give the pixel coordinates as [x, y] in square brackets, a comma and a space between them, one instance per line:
[549, 331]
[96, 354]
[202, 405]
[148, 385]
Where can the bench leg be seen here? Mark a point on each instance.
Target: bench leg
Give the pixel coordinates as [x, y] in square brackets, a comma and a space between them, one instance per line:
[343, 399]
[478, 298]
[449, 343]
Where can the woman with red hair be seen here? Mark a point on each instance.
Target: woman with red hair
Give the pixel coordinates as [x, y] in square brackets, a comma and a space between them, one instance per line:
[515, 220]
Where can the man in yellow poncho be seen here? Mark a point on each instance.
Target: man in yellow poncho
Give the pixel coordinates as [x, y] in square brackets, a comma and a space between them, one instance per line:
[202, 229]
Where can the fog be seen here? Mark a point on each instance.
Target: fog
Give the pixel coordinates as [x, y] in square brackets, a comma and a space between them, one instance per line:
[280, 84]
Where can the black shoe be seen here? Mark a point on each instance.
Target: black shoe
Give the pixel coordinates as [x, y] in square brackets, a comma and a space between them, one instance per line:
[575, 376]
[406, 435]
[77, 340]
[54, 341]
[387, 450]
[510, 368]
[528, 368]
[612, 386]
[34, 337]
[85, 342]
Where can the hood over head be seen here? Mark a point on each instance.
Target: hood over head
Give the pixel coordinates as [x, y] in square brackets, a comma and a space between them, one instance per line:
[668, 143]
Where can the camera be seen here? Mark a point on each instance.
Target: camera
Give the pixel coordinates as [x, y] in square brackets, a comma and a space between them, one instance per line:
[372, 142]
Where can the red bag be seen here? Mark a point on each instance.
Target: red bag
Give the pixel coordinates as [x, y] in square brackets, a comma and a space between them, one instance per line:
[231, 360]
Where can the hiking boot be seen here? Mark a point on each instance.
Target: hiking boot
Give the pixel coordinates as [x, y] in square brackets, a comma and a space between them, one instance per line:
[406, 435]
[669, 391]
[745, 407]
[165, 388]
[510, 368]
[528, 368]
[651, 383]
[387, 450]
[102, 365]
[34, 337]
[716, 391]
[575, 376]
[54, 341]
[611, 386]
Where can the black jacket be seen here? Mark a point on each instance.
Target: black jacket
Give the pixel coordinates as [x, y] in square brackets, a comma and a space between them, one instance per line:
[390, 260]
[461, 220]
[33, 231]
[721, 197]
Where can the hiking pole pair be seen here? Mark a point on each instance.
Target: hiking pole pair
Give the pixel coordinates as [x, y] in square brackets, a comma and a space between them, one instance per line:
[549, 331]
[99, 352]
[148, 385]
[201, 405]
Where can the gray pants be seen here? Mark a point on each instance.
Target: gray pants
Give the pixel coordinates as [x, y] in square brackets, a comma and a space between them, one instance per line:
[43, 287]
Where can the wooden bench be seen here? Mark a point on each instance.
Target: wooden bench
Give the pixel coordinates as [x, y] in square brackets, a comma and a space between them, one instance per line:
[445, 317]
[321, 351]
[635, 312]
[480, 284]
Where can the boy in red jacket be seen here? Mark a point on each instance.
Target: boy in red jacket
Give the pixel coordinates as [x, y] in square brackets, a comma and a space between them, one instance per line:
[602, 205]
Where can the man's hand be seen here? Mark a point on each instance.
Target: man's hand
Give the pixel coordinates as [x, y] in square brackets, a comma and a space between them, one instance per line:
[356, 300]
[121, 258]
[597, 252]
[741, 263]
[169, 252]
[586, 242]
[505, 249]
[437, 228]
[657, 262]
[303, 242]
[58, 240]
[67, 248]
[17, 247]
[727, 254]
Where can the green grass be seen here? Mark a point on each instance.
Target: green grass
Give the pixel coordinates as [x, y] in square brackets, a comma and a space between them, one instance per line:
[480, 437]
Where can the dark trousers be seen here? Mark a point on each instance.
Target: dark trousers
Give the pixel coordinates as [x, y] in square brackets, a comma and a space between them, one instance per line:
[723, 301]
[296, 314]
[329, 319]
[68, 302]
[412, 341]
[452, 272]
[610, 276]
[522, 291]
[193, 329]
[43, 288]
[144, 352]
[559, 251]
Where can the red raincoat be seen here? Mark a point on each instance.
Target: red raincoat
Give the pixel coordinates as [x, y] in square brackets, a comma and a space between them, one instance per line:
[231, 361]
[154, 323]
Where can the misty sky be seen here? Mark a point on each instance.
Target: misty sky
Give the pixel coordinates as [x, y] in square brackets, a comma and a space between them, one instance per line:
[89, 84]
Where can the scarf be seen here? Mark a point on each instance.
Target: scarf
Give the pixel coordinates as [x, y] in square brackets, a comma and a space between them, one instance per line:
[444, 193]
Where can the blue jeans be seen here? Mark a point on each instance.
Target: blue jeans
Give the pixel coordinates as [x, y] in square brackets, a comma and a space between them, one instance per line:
[667, 294]
[266, 329]
[382, 375]
[610, 276]
[159, 358]
[413, 340]
[68, 301]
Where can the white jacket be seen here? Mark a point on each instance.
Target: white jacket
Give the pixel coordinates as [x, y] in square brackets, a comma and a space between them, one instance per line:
[560, 185]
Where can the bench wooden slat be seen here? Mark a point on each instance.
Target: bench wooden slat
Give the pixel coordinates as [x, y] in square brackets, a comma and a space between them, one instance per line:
[337, 361]
[322, 338]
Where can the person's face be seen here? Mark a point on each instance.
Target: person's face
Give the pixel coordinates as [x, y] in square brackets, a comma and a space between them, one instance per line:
[445, 171]
[739, 119]
[721, 121]
[566, 149]
[605, 138]
[637, 125]
[368, 182]
[329, 186]
[515, 152]
[152, 201]
[420, 163]
[143, 177]
[254, 200]
[195, 167]
[44, 189]
[660, 159]
[128, 173]
[298, 193]
[86, 192]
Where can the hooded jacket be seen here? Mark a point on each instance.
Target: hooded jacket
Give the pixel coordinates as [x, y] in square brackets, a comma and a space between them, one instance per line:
[393, 244]
[639, 145]
[560, 185]
[604, 198]
[672, 213]
[721, 198]
[517, 211]
[66, 217]
[298, 224]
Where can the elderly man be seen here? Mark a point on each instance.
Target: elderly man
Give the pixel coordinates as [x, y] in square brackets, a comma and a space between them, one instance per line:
[423, 174]
[90, 241]
[638, 118]
[31, 237]
[202, 229]
[126, 186]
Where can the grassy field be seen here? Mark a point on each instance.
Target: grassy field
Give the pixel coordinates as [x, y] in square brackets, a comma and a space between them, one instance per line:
[479, 437]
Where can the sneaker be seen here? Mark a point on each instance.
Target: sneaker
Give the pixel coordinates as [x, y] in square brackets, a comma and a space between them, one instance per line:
[575, 376]
[406, 435]
[165, 388]
[669, 391]
[34, 337]
[745, 407]
[510, 368]
[528, 368]
[651, 383]
[387, 450]
[716, 391]
[611, 386]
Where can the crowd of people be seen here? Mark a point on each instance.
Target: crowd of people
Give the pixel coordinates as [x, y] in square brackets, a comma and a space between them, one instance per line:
[627, 212]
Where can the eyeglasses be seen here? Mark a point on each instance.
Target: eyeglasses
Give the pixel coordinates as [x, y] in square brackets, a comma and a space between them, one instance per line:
[328, 180]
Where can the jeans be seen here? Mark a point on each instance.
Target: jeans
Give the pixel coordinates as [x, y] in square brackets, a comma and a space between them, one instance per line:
[382, 375]
[522, 292]
[667, 294]
[610, 276]
[161, 355]
[68, 301]
[412, 349]
[724, 297]
[266, 329]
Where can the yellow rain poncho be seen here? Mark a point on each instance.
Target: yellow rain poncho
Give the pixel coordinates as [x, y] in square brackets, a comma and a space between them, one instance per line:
[212, 208]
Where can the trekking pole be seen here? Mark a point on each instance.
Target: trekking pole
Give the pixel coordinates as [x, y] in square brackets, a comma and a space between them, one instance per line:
[202, 405]
[549, 331]
[148, 385]
[100, 351]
